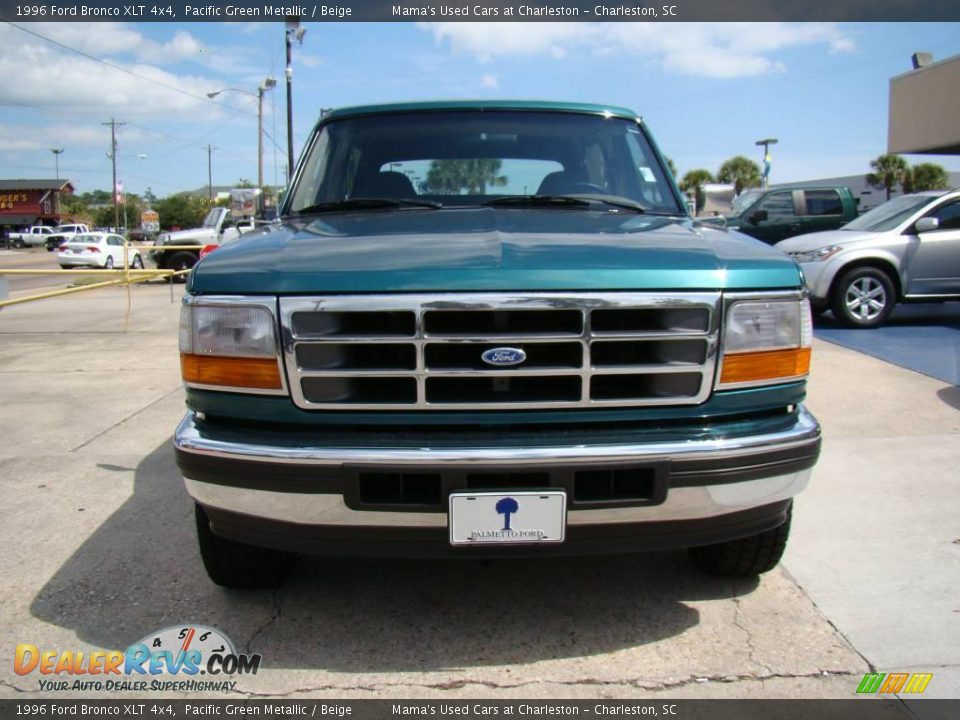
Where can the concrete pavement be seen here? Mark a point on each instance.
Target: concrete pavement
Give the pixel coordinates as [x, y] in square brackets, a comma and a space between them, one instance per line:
[102, 551]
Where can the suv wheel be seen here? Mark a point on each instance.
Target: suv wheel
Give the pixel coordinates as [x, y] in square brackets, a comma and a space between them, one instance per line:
[181, 260]
[747, 556]
[233, 564]
[863, 298]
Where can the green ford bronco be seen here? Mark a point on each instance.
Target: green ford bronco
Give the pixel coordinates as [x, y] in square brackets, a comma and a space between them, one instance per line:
[491, 329]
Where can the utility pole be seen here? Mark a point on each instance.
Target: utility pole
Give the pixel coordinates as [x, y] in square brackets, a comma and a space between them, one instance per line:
[210, 150]
[56, 157]
[113, 156]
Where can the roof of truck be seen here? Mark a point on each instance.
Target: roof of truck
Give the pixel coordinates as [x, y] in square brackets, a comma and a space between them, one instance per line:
[428, 105]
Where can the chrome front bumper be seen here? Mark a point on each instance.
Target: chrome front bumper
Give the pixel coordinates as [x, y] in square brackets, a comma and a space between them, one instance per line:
[763, 483]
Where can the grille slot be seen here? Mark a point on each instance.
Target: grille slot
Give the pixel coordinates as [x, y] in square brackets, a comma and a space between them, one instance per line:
[619, 484]
[623, 353]
[399, 488]
[424, 352]
[491, 323]
[497, 390]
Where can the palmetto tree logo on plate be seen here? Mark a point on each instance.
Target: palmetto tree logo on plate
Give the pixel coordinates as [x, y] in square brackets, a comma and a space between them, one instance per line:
[507, 506]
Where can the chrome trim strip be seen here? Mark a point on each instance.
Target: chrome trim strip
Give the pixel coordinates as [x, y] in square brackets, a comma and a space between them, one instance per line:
[420, 304]
[681, 504]
[267, 303]
[189, 437]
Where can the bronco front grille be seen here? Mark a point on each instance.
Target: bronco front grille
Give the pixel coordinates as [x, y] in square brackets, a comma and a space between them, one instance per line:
[426, 352]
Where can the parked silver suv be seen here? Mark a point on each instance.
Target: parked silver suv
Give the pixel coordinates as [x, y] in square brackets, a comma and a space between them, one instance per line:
[906, 250]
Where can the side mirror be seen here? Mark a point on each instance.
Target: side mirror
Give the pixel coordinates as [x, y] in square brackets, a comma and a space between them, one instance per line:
[926, 224]
[758, 217]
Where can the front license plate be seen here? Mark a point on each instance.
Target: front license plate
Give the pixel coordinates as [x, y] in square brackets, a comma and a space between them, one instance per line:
[507, 518]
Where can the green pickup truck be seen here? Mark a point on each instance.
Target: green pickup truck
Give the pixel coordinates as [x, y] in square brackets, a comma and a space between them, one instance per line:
[786, 211]
[490, 329]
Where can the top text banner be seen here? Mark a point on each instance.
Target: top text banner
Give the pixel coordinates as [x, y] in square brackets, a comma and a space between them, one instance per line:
[482, 11]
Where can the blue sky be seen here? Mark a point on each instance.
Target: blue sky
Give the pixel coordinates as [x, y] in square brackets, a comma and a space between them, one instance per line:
[708, 91]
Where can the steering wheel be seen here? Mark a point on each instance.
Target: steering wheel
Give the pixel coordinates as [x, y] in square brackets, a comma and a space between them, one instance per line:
[582, 188]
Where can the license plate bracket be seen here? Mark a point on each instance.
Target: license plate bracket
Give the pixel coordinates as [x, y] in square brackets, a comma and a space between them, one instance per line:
[524, 517]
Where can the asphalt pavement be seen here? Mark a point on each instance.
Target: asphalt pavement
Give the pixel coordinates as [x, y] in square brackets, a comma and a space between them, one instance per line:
[101, 551]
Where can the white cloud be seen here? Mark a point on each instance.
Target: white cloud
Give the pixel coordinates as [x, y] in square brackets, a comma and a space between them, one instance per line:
[490, 82]
[51, 77]
[717, 50]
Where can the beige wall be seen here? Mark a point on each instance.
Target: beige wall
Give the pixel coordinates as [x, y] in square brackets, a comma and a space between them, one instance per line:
[925, 110]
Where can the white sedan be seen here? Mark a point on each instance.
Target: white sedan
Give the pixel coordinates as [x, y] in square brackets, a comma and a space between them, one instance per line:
[101, 250]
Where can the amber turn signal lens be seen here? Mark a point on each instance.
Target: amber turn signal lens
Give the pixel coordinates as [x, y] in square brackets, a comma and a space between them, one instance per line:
[256, 373]
[764, 366]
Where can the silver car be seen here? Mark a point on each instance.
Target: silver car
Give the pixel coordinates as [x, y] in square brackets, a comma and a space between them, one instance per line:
[906, 250]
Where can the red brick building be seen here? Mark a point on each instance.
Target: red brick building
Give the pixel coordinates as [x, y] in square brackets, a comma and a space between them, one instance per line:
[31, 202]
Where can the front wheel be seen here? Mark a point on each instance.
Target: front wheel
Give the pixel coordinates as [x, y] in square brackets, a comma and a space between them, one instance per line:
[233, 564]
[746, 557]
[137, 263]
[182, 260]
[863, 298]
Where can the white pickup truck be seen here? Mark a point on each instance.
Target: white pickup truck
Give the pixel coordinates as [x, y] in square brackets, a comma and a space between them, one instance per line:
[63, 233]
[35, 235]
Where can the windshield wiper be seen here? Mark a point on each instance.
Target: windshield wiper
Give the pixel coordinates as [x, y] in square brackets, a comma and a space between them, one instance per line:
[538, 201]
[366, 204]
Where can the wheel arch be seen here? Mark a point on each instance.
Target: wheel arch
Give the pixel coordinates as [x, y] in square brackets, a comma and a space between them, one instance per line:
[878, 263]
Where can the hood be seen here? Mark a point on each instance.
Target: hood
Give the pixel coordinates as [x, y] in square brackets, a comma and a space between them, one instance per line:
[200, 233]
[817, 240]
[457, 249]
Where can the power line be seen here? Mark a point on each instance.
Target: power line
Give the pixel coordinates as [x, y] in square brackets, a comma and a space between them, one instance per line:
[116, 67]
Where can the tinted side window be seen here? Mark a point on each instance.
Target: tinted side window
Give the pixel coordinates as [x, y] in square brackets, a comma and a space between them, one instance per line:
[777, 205]
[948, 215]
[823, 202]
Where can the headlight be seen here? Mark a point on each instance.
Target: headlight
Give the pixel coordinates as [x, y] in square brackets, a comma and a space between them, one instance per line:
[229, 346]
[816, 255]
[766, 342]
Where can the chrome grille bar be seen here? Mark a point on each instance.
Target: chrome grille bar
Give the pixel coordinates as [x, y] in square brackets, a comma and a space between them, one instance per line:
[540, 384]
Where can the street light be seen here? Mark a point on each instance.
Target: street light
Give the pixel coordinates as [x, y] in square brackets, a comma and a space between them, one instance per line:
[56, 158]
[766, 143]
[268, 84]
[293, 31]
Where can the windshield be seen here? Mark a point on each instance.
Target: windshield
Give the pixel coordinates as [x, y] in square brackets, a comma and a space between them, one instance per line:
[210, 221]
[468, 158]
[744, 201]
[890, 214]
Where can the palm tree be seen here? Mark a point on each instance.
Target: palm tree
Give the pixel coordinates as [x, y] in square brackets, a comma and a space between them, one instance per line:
[506, 507]
[741, 171]
[888, 171]
[693, 182]
[926, 176]
[670, 166]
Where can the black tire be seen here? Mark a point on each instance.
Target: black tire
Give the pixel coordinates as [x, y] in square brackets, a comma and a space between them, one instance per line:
[19, 244]
[863, 298]
[747, 556]
[137, 263]
[232, 564]
[108, 263]
[182, 260]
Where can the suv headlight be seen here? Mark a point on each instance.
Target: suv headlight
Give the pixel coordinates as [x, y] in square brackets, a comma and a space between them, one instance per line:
[229, 346]
[816, 255]
[765, 342]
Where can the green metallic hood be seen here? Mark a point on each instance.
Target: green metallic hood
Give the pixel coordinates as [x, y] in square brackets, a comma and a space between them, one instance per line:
[456, 249]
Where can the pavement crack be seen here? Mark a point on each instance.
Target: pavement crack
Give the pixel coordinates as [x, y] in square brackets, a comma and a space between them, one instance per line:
[15, 688]
[128, 417]
[738, 621]
[277, 611]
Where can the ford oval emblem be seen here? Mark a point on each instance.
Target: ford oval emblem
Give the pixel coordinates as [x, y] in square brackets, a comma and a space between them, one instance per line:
[504, 356]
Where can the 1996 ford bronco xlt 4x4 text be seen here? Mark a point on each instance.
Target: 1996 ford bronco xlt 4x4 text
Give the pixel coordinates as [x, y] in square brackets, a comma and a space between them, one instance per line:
[491, 329]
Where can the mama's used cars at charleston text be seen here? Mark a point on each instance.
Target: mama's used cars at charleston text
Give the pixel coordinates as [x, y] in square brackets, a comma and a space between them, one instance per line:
[491, 329]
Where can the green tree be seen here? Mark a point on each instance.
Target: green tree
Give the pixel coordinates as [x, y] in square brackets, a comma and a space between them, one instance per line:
[693, 182]
[472, 176]
[926, 176]
[888, 172]
[671, 166]
[182, 210]
[741, 171]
